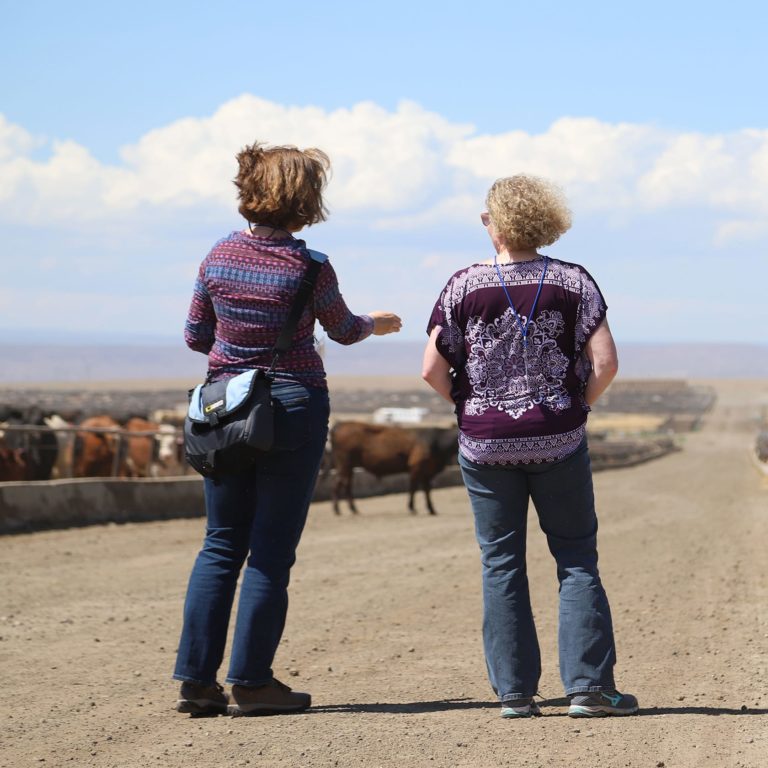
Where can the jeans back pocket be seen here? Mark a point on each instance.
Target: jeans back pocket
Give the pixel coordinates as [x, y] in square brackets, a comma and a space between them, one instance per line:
[292, 419]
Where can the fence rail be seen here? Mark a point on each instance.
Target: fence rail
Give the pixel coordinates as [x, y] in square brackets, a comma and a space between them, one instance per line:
[177, 431]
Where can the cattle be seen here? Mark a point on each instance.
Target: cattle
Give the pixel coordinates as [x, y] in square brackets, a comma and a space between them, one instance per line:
[150, 455]
[65, 438]
[14, 465]
[39, 449]
[124, 453]
[170, 452]
[95, 454]
[386, 450]
[61, 451]
[139, 452]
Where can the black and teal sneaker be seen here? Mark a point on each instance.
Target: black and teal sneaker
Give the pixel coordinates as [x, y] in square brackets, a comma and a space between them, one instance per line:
[602, 704]
[520, 708]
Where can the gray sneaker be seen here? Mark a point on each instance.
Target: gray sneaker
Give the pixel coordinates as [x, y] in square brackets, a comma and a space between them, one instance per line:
[196, 699]
[520, 708]
[270, 699]
[602, 704]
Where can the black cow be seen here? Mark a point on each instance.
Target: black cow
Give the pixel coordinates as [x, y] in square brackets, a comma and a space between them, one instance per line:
[40, 449]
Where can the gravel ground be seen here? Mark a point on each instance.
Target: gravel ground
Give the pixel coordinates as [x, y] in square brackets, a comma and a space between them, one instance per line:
[384, 630]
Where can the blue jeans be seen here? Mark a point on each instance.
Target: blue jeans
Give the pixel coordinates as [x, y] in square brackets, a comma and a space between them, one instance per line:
[562, 495]
[258, 515]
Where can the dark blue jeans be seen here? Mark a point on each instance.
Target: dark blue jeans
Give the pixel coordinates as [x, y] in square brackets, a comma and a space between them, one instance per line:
[562, 495]
[254, 518]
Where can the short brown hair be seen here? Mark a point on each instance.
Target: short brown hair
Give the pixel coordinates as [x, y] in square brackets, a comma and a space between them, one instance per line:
[527, 211]
[282, 186]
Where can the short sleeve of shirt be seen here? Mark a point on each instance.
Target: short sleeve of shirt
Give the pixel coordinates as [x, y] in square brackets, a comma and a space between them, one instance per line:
[445, 313]
[591, 311]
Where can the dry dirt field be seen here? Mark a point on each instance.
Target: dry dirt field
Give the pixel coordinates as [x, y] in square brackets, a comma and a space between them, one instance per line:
[384, 630]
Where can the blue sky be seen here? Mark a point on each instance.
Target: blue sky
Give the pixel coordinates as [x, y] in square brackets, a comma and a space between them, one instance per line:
[118, 126]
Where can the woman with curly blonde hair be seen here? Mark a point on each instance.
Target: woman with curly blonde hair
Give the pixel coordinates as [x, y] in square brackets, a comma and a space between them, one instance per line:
[243, 294]
[520, 344]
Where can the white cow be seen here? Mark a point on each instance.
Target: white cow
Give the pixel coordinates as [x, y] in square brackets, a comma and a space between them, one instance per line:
[66, 439]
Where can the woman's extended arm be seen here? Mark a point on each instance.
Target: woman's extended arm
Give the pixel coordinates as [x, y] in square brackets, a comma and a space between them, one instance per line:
[436, 370]
[339, 322]
[601, 351]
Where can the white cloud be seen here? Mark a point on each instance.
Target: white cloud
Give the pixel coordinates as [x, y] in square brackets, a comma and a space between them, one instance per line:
[598, 162]
[736, 231]
[405, 168]
[14, 141]
[725, 172]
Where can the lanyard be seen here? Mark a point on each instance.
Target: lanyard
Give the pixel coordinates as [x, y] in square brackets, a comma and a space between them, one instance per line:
[523, 328]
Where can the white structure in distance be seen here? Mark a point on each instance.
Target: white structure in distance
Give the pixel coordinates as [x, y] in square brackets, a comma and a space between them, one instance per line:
[399, 415]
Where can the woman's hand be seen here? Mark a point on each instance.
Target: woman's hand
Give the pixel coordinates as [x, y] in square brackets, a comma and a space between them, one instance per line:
[385, 322]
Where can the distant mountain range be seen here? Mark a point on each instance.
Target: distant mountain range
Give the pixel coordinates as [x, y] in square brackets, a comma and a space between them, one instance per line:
[686, 361]
[36, 361]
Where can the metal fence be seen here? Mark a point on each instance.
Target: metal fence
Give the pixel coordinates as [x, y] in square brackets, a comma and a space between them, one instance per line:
[65, 455]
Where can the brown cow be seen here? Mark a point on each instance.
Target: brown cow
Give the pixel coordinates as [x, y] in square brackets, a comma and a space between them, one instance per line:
[14, 465]
[157, 455]
[387, 450]
[95, 453]
[123, 453]
[140, 452]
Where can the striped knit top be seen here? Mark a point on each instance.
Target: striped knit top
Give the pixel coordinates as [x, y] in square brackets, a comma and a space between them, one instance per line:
[242, 296]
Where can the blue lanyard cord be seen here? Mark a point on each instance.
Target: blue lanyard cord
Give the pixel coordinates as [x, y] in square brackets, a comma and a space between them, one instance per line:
[523, 328]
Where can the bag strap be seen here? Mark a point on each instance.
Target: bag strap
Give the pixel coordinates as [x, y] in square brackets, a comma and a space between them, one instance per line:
[306, 286]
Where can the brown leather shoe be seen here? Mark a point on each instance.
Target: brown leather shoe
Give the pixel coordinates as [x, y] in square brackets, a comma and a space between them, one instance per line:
[270, 699]
[196, 699]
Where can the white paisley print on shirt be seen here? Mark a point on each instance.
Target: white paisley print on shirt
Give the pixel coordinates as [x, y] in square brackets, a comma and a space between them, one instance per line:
[507, 376]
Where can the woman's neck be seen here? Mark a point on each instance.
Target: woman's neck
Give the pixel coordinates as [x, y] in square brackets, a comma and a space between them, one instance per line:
[267, 232]
[506, 256]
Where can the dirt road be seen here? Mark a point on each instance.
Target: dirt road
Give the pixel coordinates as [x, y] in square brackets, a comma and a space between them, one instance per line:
[384, 630]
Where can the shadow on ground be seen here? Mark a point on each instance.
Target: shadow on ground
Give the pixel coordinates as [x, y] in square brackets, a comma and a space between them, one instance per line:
[415, 707]
[445, 705]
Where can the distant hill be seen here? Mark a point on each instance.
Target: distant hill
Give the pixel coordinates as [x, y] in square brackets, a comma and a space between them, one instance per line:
[39, 362]
[685, 361]
[693, 361]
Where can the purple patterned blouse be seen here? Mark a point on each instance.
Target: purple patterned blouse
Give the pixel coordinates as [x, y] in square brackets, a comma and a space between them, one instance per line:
[516, 405]
[243, 293]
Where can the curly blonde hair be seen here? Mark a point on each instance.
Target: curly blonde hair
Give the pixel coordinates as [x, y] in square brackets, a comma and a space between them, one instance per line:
[282, 187]
[527, 211]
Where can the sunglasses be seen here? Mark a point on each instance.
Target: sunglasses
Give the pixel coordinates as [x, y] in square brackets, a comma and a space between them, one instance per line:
[485, 218]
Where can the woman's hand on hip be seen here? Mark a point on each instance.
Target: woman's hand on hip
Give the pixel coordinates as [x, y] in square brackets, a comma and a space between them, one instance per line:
[385, 322]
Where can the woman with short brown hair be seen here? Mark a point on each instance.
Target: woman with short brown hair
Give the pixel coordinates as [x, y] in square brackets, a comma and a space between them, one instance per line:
[282, 187]
[243, 293]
